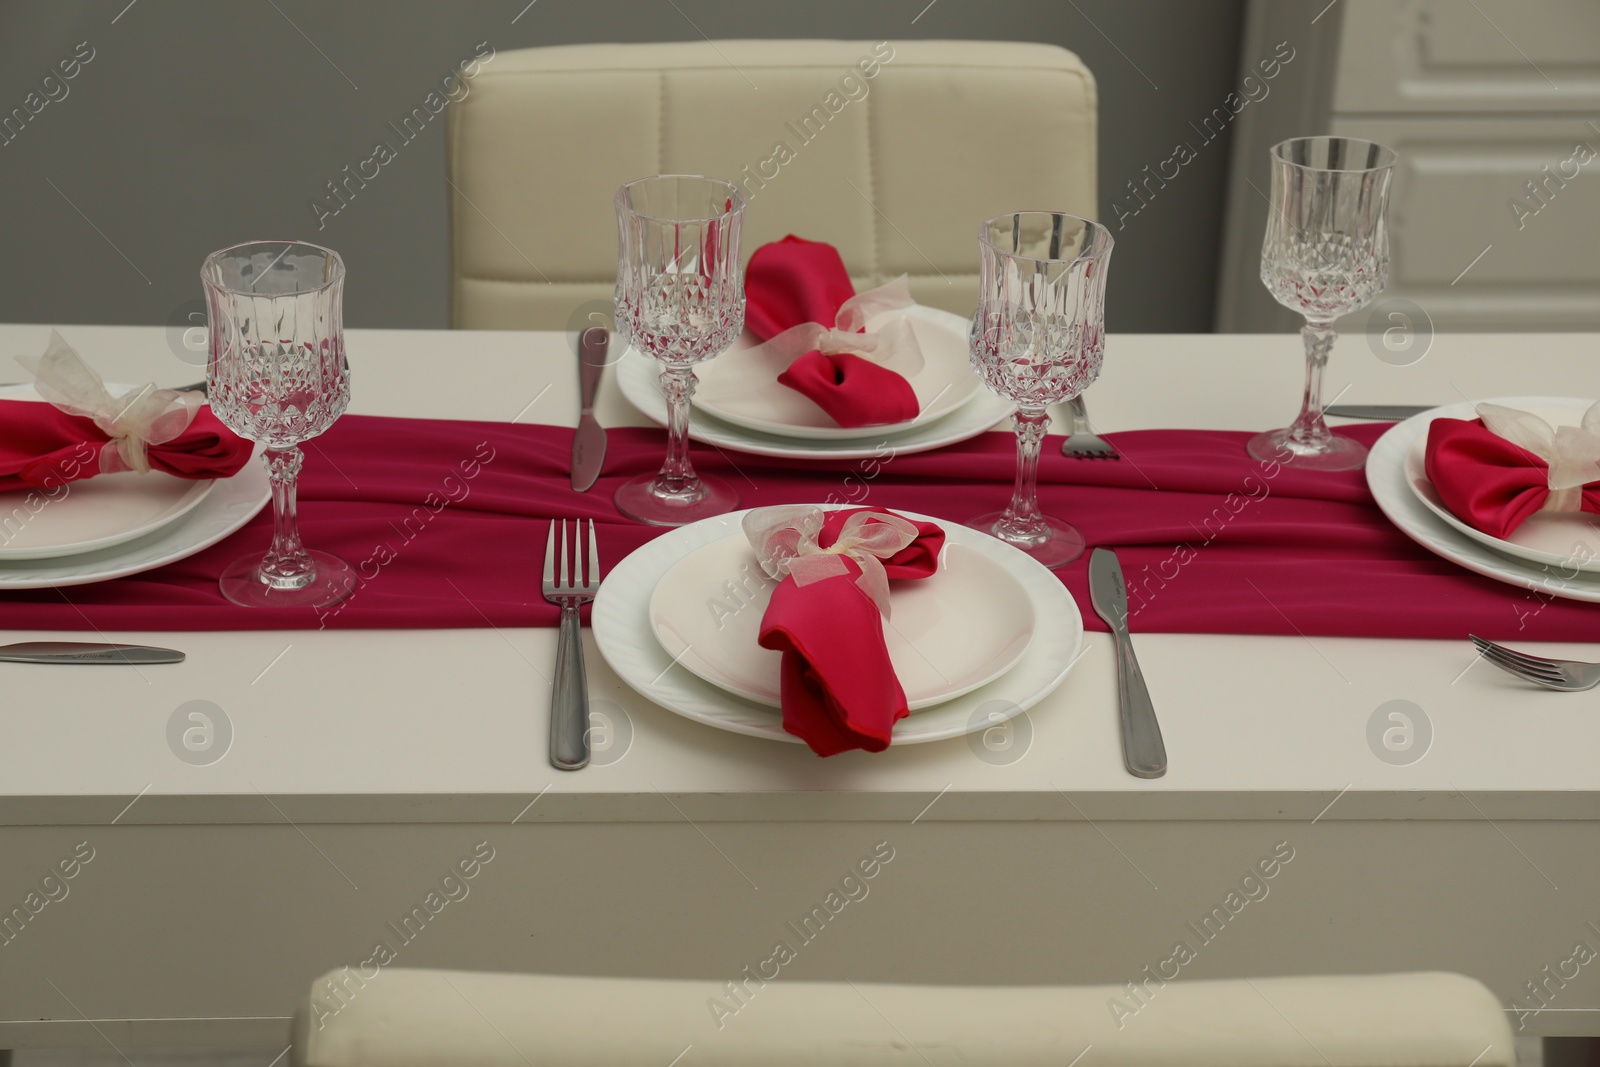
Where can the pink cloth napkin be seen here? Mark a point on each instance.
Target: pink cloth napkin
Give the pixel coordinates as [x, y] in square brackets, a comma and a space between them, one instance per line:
[793, 281]
[838, 688]
[444, 522]
[1486, 481]
[40, 444]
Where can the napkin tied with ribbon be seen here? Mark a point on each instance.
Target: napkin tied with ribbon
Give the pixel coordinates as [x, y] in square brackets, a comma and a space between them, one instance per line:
[812, 322]
[1496, 471]
[838, 687]
[83, 430]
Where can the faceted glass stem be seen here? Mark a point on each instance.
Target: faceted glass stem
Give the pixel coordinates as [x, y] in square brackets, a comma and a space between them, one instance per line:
[677, 478]
[1021, 521]
[287, 564]
[1310, 432]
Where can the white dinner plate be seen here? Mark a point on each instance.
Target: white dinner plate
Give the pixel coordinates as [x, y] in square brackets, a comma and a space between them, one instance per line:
[1394, 490]
[621, 626]
[231, 503]
[70, 518]
[947, 634]
[1565, 539]
[744, 391]
[639, 379]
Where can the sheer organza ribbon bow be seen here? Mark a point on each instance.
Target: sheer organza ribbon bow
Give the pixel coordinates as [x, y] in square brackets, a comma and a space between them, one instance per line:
[133, 421]
[785, 540]
[1572, 452]
[894, 346]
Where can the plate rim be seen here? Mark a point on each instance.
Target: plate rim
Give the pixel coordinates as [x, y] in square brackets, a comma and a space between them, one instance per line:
[932, 315]
[1386, 479]
[1052, 656]
[915, 706]
[246, 493]
[192, 498]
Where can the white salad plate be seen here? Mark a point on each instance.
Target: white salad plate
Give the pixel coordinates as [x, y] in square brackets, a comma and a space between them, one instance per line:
[745, 392]
[947, 634]
[72, 518]
[1399, 484]
[622, 629]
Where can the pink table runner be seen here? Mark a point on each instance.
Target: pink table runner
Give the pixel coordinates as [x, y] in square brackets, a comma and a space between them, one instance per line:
[445, 522]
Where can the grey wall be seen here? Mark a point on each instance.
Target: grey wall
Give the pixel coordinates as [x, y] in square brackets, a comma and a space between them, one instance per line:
[200, 123]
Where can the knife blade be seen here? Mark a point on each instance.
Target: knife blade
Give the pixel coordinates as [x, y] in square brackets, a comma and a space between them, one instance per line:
[1376, 411]
[1144, 753]
[86, 652]
[589, 442]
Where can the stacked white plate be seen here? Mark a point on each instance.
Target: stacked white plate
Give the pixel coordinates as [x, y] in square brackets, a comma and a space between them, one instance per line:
[740, 405]
[989, 635]
[113, 525]
[1553, 554]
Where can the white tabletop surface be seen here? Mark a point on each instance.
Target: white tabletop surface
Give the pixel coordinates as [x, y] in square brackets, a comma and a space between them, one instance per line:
[449, 725]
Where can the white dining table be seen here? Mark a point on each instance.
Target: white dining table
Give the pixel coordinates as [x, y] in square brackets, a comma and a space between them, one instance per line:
[364, 766]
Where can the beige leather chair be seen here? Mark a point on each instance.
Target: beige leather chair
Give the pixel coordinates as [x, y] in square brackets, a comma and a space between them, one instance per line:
[897, 169]
[413, 1018]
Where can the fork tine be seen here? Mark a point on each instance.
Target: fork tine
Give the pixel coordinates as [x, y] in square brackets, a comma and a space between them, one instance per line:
[1522, 658]
[1525, 656]
[1547, 681]
[1515, 673]
[1484, 647]
[550, 555]
[1505, 655]
[1524, 670]
[594, 557]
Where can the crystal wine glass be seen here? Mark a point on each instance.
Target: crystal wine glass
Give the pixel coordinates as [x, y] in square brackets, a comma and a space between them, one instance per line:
[1325, 254]
[277, 375]
[680, 300]
[1038, 338]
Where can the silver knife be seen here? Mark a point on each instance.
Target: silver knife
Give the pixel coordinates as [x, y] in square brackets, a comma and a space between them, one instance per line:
[86, 652]
[1143, 751]
[589, 442]
[1377, 411]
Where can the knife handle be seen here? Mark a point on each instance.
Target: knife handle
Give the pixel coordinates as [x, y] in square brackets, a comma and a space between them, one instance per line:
[569, 696]
[591, 363]
[1143, 750]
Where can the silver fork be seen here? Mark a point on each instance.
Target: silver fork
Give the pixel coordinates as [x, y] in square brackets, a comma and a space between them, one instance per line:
[569, 695]
[1081, 442]
[1565, 675]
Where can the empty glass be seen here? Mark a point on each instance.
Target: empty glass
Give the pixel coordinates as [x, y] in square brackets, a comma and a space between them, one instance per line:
[680, 300]
[276, 374]
[1038, 338]
[1326, 254]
